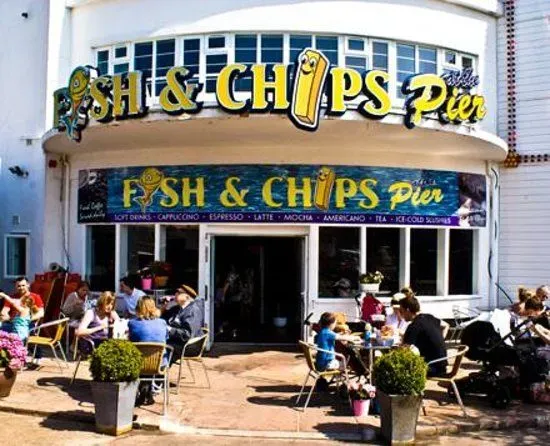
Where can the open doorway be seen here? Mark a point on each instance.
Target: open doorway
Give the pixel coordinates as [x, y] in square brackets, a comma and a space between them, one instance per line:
[258, 282]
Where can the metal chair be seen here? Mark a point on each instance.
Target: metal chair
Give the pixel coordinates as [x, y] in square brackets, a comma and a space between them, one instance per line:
[463, 317]
[449, 378]
[199, 343]
[341, 375]
[81, 354]
[154, 368]
[52, 342]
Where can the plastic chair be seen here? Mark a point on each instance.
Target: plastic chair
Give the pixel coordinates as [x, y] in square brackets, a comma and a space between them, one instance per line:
[450, 377]
[197, 342]
[52, 342]
[342, 375]
[153, 368]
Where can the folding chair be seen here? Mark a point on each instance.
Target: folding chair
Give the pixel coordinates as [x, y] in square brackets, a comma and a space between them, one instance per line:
[153, 368]
[199, 343]
[341, 375]
[53, 343]
[462, 317]
[450, 377]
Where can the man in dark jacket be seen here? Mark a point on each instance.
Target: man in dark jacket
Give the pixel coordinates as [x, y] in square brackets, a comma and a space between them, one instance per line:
[184, 320]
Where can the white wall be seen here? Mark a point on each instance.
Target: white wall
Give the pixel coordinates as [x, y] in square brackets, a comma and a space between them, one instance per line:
[524, 207]
[22, 68]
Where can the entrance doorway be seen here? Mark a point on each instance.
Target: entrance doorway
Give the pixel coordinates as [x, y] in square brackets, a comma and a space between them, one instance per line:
[258, 285]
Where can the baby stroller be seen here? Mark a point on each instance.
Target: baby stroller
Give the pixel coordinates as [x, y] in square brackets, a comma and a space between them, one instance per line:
[507, 369]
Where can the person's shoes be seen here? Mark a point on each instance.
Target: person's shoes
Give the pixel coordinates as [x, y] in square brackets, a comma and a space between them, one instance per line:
[149, 400]
[32, 366]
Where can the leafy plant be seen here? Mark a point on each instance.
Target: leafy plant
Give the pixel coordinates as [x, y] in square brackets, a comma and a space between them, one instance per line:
[116, 360]
[400, 372]
[375, 277]
[359, 391]
[13, 353]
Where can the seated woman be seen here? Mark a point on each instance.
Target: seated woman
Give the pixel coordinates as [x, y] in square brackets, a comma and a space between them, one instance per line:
[95, 324]
[77, 303]
[184, 321]
[147, 327]
[394, 319]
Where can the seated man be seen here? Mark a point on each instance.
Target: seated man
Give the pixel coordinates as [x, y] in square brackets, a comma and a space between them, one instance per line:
[184, 321]
[425, 333]
[130, 295]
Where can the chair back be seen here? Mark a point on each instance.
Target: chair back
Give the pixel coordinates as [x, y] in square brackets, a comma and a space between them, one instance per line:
[152, 353]
[462, 349]
[307, 351]
[200, 342]
[60, 329]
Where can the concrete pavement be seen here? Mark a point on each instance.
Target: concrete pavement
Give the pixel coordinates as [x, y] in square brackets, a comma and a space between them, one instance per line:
[252, 394]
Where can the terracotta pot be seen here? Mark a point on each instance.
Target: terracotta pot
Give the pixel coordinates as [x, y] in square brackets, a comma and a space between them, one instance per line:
[7, 379]
[161, 281]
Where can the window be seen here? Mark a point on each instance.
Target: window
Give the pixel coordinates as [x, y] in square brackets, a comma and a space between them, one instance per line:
[16, 254]
[143, 61]
[121, 62]
[383, 255]
[427, 60]
[271, 52]
[329, 46]
[100, 257]
[103, 62]
[461, 265]
[180, 248]
[424, 261]
[245, 53]
[406, 65]
[380, 56]
[338, 261]
[355, 55]
[164, 60]
[140, 248]
[216, 59]
[216, 42]
[297, 44]
[191, 57]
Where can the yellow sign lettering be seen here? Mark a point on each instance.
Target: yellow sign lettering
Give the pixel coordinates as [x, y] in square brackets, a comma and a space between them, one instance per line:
[267, 193]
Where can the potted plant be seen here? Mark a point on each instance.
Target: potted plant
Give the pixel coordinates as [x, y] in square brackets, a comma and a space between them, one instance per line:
[115, 366]
[400, 378]
[13, 355]
[361, 396]
[370, 282]
[161, 271]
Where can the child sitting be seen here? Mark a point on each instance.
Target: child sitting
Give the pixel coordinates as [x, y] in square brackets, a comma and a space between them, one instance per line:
[21, 323]
[326, 339]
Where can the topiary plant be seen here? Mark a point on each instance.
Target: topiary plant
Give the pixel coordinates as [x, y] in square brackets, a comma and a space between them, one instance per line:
[400, 372]
[116, 360]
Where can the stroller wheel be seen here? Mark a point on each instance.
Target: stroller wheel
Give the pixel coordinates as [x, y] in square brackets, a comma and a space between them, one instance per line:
[500, 398]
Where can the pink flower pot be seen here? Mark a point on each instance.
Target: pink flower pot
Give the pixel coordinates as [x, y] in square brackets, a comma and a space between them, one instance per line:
[361, 407]
[146, 283]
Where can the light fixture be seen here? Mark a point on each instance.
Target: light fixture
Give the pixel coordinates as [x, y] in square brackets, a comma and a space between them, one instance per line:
[17, 170]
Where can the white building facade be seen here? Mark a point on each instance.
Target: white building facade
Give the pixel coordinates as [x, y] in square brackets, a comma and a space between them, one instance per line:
[217, 193]
[524, 110]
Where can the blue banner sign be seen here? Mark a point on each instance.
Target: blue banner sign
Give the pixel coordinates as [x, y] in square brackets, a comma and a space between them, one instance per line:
[282, 194]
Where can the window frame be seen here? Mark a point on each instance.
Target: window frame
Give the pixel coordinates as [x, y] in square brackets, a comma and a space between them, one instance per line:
[16, 235]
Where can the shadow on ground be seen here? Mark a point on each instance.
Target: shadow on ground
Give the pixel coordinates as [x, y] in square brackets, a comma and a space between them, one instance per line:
[71, 420]
[79, 390]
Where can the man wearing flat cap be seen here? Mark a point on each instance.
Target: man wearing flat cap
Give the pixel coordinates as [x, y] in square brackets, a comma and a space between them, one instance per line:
[184, 320]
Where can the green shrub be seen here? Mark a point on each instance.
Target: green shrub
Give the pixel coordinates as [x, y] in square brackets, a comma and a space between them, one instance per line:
[116, 360]
[400, 372]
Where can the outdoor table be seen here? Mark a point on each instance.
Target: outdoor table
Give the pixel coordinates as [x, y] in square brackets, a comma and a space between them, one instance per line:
[370, 347]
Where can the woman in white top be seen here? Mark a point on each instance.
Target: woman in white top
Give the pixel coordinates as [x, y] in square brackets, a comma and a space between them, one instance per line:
[395, 319]
[77, 303]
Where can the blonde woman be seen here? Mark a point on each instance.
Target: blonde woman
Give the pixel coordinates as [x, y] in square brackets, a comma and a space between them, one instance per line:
[96, 322]
[147, 327]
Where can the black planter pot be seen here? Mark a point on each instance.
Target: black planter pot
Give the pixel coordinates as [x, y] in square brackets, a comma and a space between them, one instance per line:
[398, 417]
[114, 406]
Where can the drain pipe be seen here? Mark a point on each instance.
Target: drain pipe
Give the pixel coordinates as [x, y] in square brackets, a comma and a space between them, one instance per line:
[493, 226]
[65, 198]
